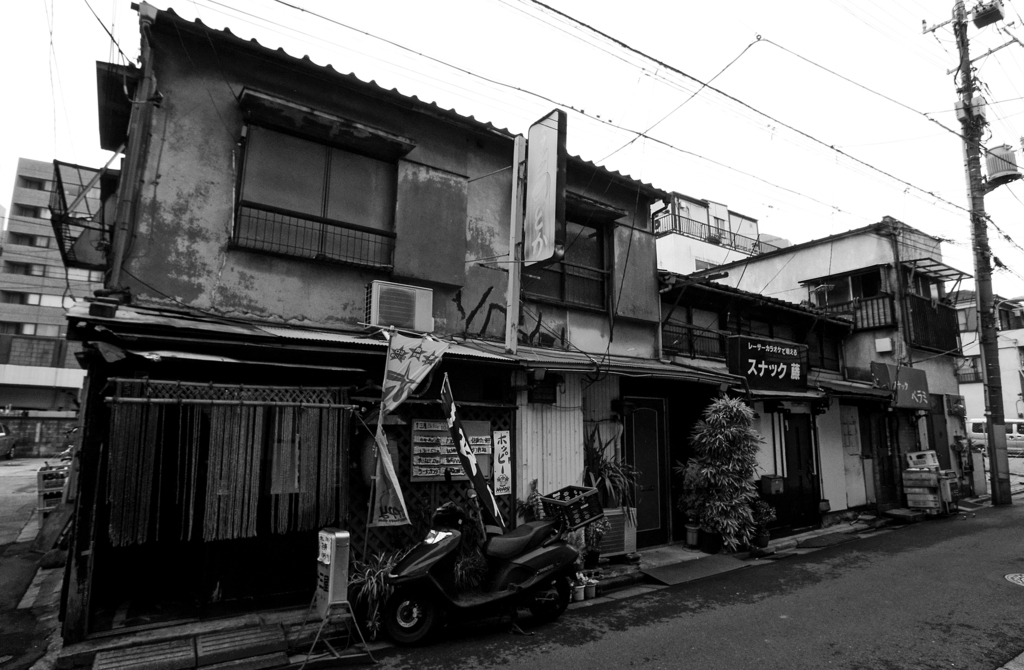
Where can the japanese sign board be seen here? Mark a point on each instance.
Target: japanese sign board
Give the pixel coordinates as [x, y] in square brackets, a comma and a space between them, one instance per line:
[544, 229]
[502, 463]
[768, 364]
[910, 384]
[433, 450]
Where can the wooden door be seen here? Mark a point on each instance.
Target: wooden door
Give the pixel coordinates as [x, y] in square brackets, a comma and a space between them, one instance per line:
[646, 449]
[878, 447]
[853, 464]
[938, 433]
[800, 495]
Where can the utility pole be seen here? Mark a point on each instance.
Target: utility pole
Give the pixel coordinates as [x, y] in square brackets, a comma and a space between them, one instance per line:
[973, 125]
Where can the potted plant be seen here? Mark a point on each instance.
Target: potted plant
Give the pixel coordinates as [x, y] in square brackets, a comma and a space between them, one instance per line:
[616, 483]
[725, 450]
[593, 533]
[762, 514]
[368, 590]
[689, 499]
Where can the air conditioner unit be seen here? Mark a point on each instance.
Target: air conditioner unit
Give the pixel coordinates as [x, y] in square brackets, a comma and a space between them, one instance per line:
[404, 307]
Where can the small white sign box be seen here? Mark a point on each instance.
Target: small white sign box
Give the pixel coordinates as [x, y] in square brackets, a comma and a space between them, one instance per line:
[331, 569]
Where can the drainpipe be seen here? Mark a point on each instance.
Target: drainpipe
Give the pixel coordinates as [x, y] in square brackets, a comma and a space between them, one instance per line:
[138, 134]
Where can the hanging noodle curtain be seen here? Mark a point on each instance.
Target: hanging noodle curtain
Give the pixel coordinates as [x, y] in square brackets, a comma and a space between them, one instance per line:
[184, 462]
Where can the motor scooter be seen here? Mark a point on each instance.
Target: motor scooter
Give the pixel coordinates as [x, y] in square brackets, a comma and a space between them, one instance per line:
[529, 567]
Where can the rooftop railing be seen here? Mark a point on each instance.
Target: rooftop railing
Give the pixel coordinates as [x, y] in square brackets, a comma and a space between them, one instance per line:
[665, 223]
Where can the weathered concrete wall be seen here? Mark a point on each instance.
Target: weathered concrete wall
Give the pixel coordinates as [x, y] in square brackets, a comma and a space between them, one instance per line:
[181, 250]
[451, 216]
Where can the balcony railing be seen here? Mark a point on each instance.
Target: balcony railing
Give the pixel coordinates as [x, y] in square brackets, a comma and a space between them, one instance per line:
[970, 377]
[282, 232]
[868, 313]
[932, 325]
[665, 223]
[682, 340]
[44, 352]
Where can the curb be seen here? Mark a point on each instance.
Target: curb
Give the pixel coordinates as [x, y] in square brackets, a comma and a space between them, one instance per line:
[621, 581]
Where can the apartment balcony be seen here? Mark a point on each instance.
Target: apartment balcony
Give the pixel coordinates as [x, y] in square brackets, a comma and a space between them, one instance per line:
[867, 313]
[681, 340]
[665, 223]
[31, 351]
[932, 325]
[971, 377]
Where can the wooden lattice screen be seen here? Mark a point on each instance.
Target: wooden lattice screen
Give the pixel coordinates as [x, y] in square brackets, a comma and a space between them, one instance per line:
[222, 462]
[422, 498]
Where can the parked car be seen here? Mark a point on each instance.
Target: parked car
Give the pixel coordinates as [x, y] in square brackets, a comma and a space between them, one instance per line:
[7, 442]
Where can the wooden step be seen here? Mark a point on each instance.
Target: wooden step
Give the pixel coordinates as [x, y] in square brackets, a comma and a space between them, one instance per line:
[230, 645]
[173, 655]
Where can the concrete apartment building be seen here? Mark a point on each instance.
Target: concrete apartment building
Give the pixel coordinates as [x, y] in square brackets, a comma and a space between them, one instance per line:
[39, 376]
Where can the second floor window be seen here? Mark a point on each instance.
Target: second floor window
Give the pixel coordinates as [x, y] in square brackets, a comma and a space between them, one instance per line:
[581, 277]
[28, 240]
[305, 199]
[967, 319]
[841, 290]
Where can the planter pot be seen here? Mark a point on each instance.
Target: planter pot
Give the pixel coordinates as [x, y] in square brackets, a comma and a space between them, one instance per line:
[761, 540]
[621, 537]
[710, 543]
[591, 559]
[590, 591]
[824, 506]
[692, 534]
[578, 593]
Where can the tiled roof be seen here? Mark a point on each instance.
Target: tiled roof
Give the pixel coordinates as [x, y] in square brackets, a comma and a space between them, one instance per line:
[430, 107]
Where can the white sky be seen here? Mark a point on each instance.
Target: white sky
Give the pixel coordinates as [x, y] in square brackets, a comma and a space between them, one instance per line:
[798, 189]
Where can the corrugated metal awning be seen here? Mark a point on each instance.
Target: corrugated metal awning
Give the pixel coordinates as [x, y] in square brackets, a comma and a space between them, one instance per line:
[765, 394]
[847, 389]
[559, 360]
[345, 338]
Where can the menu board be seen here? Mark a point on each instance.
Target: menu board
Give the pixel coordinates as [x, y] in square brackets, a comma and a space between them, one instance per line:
[434, 451]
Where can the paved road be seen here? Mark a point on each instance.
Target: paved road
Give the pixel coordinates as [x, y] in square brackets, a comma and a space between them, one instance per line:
[930, 595]
[22, 635]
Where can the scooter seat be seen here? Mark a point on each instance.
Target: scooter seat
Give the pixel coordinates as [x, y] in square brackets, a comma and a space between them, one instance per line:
[523, 538]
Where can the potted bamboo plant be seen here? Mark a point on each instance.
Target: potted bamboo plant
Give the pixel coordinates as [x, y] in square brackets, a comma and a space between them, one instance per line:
[725, 450]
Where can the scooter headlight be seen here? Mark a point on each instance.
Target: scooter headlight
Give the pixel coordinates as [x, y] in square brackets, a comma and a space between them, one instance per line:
[434, 536]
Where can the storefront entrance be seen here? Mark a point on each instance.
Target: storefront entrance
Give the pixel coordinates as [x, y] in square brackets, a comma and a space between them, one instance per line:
[798, 504]
[645, 449]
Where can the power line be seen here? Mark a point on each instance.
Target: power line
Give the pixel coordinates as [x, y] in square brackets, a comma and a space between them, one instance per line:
[113, 40]
[748, 106]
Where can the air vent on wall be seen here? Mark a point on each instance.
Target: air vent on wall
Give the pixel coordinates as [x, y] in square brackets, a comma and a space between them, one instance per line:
[404, 307]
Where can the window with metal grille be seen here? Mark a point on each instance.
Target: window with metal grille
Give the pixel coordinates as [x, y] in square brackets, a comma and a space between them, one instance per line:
[582, 276]
[32, 352]
[28, 240]
[304, 199]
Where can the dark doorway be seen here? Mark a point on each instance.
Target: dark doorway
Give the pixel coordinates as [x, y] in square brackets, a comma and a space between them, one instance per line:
[798, 506]
[645, 449]
[878, 447]
[938, 434]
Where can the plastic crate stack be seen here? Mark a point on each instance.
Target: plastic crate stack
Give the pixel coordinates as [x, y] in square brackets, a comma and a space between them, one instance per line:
[51, 480]
[578, 505]
[928, 488]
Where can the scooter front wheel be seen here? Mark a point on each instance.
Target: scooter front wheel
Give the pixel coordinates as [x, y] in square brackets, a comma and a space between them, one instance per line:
[550, 600]
[410, 616]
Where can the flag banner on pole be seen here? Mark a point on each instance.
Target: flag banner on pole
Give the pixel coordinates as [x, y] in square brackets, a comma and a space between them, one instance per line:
[410, 360]
[388, 503]
[488, 503]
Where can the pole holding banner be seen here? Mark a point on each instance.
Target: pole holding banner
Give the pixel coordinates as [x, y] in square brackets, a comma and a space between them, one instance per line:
[493, 521]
